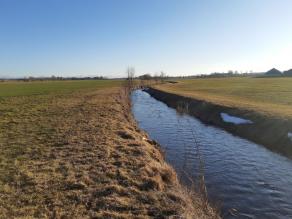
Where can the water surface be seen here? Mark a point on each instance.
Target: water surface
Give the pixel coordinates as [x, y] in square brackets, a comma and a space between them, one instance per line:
[239, 174]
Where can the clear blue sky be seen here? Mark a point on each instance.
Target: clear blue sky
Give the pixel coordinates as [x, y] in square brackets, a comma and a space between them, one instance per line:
[103, 37]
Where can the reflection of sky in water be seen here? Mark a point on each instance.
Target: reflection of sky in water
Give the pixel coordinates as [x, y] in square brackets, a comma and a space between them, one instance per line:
[290, 135]
[239, 174]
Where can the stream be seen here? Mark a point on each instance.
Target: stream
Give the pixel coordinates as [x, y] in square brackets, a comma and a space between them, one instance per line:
[243, 179]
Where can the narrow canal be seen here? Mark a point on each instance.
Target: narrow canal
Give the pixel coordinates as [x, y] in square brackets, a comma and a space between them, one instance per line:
[244, 179]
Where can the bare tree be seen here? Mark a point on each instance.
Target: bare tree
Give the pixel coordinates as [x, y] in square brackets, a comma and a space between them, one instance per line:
[130, 73]
[130, 79]
[162, 76]
[156, 77]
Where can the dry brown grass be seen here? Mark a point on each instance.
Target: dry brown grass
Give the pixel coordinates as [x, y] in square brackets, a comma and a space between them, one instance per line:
[81, 155]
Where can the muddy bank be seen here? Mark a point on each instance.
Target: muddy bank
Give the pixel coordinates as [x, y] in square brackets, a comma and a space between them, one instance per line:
[271, 132]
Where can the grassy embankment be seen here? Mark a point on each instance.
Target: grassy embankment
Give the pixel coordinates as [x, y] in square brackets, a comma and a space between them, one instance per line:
[71, 149]
[265, 101]
[269, 96]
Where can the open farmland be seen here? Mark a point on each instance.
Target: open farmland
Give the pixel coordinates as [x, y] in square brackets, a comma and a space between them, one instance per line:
[71, 149]
[16, 88]
[269, 96]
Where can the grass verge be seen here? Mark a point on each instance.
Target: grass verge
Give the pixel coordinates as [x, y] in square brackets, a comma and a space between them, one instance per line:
[267, 96]
[78, 153]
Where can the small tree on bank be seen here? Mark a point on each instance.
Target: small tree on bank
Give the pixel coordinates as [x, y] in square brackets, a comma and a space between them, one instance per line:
[130, 78]
[162, 76]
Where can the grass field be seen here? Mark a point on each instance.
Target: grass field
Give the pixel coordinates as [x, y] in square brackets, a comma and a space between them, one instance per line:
[71, 149]
[31, 114]
[15, 88]
[270, 96]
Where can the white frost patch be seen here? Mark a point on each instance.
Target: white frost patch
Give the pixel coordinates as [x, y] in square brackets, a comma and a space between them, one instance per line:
[289, 135]
[235, 120]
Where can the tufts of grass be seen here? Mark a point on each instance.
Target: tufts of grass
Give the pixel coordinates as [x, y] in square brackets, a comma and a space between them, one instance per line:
[77, 153]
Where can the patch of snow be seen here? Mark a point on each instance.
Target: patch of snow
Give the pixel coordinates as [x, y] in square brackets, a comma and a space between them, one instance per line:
[235, 120]
[261, 182]
[289, 135]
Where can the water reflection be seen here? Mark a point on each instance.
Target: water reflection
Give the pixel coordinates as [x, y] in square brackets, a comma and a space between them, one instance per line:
[239, 174]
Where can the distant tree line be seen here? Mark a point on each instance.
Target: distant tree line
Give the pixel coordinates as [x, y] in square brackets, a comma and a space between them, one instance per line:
[271, 73]
[56, 78]
[230, 73]
[157, 76]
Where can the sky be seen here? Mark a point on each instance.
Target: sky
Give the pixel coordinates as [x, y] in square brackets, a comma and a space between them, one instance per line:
[179, 37]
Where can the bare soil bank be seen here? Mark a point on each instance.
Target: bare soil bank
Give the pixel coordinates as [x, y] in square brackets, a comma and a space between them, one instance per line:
[272, 132]
[82, 155]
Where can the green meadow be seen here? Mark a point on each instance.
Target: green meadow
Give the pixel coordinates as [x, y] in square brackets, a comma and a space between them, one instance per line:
[17, 88]
[272, 96]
